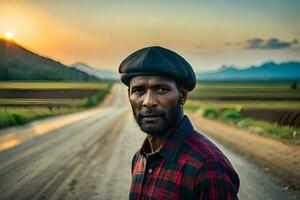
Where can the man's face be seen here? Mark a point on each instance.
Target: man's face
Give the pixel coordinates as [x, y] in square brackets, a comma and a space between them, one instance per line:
[156, 103]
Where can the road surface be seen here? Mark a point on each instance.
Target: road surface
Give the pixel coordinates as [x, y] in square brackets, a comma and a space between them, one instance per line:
[87, 155]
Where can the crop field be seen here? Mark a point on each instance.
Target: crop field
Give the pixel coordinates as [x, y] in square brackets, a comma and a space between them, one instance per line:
[277, 102]
[193, 104]
[245, 91]
[52, 85]
[21, 102]
[43, 93]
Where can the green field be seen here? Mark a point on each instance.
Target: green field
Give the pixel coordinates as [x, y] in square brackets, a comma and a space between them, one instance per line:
[47, 86]
[16, 111]
[192, 104]
[37, 102]
[52, 85]
[275, 107]
[245, 95]
[245, 91]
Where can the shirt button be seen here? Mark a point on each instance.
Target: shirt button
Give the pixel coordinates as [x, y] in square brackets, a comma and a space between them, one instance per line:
[150, 171]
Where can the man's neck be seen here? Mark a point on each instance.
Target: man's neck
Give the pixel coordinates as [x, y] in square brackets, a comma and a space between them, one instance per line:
[156, 141]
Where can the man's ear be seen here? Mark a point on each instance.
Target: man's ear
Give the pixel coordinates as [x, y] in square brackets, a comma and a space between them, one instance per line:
[182, 95]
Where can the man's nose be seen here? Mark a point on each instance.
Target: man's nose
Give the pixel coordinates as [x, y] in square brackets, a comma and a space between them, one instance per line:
[150, 100]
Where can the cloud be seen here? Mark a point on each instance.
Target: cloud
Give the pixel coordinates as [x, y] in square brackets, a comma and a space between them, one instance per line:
[272, 43]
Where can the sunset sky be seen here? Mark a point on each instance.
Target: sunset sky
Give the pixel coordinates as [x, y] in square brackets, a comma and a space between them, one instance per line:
[208, 33]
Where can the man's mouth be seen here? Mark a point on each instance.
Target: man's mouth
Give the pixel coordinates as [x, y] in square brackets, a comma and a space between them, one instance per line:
[150, 117]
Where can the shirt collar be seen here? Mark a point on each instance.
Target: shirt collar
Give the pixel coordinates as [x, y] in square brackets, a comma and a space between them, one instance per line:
[171, 147]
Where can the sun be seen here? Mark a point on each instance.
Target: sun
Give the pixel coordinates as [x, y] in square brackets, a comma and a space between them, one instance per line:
[9, 35]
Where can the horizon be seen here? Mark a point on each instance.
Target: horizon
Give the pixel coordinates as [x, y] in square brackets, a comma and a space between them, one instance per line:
[218, 69]
[204, 33]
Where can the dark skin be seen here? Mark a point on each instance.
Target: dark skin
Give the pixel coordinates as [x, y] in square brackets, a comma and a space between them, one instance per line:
[156, 102]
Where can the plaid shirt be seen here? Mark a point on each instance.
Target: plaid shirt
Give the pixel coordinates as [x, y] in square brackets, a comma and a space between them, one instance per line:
[187, 166]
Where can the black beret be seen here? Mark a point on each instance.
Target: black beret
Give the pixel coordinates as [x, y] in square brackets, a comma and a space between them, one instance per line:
[158, 61]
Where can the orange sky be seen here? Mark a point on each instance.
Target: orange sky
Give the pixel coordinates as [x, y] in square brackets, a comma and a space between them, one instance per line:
[102, 33]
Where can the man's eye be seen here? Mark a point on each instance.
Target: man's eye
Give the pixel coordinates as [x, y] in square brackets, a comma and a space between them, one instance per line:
[162, 90]
[137, 90]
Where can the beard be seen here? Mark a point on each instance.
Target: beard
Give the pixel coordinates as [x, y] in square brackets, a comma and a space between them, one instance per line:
[156, 122]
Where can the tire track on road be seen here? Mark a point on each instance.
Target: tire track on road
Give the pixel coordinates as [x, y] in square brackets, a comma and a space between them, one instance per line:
[42, 156]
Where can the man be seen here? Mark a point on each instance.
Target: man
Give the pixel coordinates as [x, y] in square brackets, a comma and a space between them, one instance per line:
[175, 161]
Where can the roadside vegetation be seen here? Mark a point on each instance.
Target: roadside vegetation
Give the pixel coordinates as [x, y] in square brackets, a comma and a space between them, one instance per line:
[230, 103]
[18, 111]
[92, 101]
[18, 116]
[234, 117]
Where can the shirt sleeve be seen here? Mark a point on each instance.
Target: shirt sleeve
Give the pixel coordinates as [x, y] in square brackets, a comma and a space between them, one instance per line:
[216, 181]
[133, 161]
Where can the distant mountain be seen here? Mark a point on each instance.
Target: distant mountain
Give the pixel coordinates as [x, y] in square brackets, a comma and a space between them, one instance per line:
[267, 72]
[18, 63]
[101, 74]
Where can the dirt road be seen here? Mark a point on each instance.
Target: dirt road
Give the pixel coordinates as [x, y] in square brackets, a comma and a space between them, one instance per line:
[87, 155]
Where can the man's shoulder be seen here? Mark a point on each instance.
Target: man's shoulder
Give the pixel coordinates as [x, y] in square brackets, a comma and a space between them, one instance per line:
[199, 150]
[136, 156]
[213, 165]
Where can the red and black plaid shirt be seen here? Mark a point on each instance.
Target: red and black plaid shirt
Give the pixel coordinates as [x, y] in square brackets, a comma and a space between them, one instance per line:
[187, 166]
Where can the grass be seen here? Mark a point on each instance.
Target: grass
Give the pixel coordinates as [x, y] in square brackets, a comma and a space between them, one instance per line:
[234, 117]
[53, 85]
[19, 116]
[269, 129]
[37, 101]
[19, 111]
[243, 104]
[224, 101]
[211, 111]
[94, 100]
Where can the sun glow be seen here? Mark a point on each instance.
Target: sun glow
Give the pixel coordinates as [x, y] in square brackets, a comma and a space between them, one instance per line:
[9, 35]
